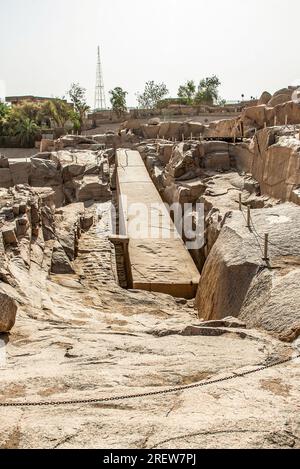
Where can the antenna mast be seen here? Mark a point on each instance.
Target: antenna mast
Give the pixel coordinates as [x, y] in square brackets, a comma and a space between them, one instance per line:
[100, 102]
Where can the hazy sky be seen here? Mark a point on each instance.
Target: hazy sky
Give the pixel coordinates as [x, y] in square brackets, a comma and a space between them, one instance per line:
[252, 45]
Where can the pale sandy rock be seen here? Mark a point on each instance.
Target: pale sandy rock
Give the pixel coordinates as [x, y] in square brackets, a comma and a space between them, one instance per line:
[279, 99]
[273, 300]
[255, 116]
[44, 173]
[92, 188]
[235, 260]
[265, 98]
[227, 128]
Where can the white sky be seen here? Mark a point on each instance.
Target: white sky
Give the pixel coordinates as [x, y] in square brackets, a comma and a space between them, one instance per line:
[252, 45]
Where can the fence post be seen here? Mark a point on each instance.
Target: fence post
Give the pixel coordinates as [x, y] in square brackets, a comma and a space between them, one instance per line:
[240, 202]
[248, 217]
[266, 247]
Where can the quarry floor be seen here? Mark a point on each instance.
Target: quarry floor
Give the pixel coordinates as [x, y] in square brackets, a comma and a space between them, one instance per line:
[88, 338]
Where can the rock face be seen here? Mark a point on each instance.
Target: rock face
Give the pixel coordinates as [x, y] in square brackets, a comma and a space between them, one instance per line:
[273, 301]
[280, 109]
[73, 175]
[81, 336]
[272, 158]
[60, 263]
[265, 98]
[35, 235]
[231, 281]
[8, 308]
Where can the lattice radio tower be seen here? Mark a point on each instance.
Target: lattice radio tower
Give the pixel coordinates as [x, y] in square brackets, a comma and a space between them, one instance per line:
[100, 102]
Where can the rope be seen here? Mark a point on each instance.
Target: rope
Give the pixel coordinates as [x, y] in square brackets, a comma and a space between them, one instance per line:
[201, 384]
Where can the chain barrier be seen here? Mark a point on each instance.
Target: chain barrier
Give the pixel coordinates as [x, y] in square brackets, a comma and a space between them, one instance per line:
[234, 375]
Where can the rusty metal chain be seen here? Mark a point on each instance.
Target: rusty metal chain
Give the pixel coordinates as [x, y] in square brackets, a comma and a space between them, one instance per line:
[149, 394]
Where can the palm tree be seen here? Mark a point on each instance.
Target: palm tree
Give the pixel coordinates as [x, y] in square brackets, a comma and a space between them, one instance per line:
[26, 130]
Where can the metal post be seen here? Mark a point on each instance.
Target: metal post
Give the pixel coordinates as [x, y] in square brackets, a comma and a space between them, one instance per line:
[183, 137]
[265, 125]
[275, 121]
[191, 135]
[286, 120]
[266, 254]
[248, 217]
[240, 202]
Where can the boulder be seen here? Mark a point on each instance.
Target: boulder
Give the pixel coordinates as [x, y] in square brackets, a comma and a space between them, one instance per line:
[92, 188]
[73, 170]
[235, 265]
[275, 163]
[265, 98]
[227, 128]
[273, 302]
[154, 121]
[8, 307]
[44, 173]
[279, 99]
[254, 116]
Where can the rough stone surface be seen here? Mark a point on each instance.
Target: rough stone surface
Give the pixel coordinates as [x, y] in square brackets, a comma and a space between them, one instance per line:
[81, 336]
[237, 281]
[8, 307]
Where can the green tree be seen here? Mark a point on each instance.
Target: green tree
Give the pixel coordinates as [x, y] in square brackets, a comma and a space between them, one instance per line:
[4, 116]
[4, 110]
[57, 110]
[118, 100]
[208, 91]
[78, 97]
[152, 94]
[187, 92]
[26, 130]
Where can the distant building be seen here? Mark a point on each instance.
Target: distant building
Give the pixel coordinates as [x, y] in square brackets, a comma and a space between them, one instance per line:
[15, 100]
